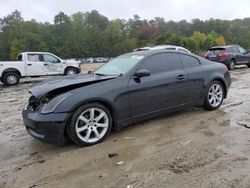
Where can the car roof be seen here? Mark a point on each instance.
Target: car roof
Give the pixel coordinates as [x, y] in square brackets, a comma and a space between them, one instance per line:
[37, 52]
[152, 52]
[158, 47]
[226, 46]
[142, 49]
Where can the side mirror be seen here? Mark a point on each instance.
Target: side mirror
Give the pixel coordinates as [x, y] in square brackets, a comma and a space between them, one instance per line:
[142, 73]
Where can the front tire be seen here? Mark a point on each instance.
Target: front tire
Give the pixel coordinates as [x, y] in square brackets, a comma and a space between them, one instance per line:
[214, 96]
[71, 71]
[90, 124]
[248, 65]
[10, 78]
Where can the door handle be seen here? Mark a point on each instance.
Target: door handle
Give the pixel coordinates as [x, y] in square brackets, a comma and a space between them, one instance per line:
[180, 77]
[45, 64]
[29, 64]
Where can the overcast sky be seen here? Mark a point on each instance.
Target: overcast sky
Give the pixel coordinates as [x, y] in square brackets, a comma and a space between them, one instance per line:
[44, 10]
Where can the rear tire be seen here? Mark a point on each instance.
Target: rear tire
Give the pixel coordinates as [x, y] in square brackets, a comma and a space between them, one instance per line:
[248, 65]
[10, 78]
[90, 124]
[231, 65]
[214, 96]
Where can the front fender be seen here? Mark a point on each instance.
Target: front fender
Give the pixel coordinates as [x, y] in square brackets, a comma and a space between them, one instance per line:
[112, 93]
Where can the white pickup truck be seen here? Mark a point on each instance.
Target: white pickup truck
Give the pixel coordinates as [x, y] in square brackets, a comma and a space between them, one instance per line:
[35, 64]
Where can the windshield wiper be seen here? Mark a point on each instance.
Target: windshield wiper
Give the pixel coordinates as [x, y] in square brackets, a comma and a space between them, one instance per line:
[99, 74]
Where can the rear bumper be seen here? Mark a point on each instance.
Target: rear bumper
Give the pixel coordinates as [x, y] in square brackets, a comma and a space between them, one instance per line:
[49, 128]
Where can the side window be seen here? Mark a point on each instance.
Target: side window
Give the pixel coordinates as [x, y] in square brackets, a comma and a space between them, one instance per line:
[230, 49]
[50, 58]
[242, 50]
[236, 49]
[162, 62]
[189, 62]
[34, 57]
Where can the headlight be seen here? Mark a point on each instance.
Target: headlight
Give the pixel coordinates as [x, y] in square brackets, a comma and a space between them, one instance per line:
[51, 105]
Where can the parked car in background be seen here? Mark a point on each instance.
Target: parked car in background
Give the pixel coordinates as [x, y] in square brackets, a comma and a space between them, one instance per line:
[33, 64]
[166, 47]
[105, 59]
[83, 60]
[90, 60]
[98, 60]
[230, 55]
[130, 88]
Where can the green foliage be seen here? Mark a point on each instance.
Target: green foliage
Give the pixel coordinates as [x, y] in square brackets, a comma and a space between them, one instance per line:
[86, 34]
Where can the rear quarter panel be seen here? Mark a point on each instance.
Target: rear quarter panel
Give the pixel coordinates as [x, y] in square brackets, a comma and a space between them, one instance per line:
[18, 65]
[215, 71]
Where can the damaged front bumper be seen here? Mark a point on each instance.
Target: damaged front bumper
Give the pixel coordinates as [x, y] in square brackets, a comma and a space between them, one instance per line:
[49, 128]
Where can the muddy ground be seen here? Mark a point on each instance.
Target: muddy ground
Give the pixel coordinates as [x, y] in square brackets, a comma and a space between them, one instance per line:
[193, 148]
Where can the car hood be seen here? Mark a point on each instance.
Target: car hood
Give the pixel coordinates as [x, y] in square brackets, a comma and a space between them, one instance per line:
[66, 83]
[71, 61]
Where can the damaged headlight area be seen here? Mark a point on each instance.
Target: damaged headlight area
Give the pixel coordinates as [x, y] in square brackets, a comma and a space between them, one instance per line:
[50, 105]
[33, 104]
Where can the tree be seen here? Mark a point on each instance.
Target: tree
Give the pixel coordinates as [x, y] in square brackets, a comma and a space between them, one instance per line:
[93, 34]
[11, 21]
[220, 41]
[61, 18]
[94, 19]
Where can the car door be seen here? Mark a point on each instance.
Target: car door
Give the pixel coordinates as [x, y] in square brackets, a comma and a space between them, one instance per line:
[34, 65]
[165, 88]
[53, 65]
[195, 73]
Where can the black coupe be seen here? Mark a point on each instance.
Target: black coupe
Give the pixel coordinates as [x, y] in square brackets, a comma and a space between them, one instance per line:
[130, 88]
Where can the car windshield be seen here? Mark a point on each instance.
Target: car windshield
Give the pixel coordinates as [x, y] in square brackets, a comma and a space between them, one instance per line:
[120, 65]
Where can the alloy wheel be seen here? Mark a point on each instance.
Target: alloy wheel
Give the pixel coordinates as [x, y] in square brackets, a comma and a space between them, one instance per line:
[232, 65]
[215, 95]
[92, 125]
[11, 79]
[71, 72]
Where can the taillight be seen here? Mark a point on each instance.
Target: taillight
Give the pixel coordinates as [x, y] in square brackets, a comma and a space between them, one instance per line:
[223, 54]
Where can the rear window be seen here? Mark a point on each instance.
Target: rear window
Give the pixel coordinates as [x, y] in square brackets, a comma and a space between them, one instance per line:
[216, 50]
[20, 57]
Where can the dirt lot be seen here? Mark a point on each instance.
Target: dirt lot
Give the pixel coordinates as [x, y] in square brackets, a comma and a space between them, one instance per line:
[194, 148]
